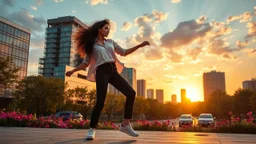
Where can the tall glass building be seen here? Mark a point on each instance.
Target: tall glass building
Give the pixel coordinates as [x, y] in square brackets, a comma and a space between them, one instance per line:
[59, 47]
[14, 42]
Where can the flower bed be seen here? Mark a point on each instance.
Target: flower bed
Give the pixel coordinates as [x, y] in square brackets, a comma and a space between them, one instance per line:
[14, 119]
[154, 125]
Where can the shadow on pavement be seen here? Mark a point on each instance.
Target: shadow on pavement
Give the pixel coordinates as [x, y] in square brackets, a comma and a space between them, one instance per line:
[74, 140]
[123, 142]
[83, 140]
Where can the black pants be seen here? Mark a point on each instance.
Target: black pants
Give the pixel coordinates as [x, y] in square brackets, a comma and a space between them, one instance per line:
[107, 73]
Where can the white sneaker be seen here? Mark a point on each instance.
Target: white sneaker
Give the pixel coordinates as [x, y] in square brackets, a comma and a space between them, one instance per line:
[91, 134]
[128, 130]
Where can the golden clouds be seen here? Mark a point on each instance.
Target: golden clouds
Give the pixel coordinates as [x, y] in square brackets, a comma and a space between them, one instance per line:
[126, 26]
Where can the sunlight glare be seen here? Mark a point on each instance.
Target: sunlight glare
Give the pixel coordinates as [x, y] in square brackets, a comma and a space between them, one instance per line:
[193, 93]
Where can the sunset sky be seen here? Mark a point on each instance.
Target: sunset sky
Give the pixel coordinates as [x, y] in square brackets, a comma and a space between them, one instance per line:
[188, 37]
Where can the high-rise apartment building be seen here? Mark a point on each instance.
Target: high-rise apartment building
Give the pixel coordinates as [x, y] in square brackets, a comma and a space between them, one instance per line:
[174, 98]
[250, 84]
[160, 95]
[141, 88]
[59, 48]
[150, 93]
[14, 42]
[213, 81]
[183, 95]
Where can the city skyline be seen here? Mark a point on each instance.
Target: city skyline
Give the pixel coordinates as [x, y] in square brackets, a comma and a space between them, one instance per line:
[188, 38]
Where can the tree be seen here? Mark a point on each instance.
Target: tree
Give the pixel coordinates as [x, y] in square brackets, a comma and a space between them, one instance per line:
[199, 107]
[8, 72]
[91, 100]
[219, 104]
[253, 102]
[153, 110]
[141, 106]
[241, 101]
[171, 110]
[112, 105]
[40, 95]
[83, 100]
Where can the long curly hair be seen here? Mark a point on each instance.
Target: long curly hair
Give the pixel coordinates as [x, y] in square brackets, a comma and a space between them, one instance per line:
[84, 38]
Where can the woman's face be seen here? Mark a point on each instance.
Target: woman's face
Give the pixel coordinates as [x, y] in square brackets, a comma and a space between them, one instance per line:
[104, 31]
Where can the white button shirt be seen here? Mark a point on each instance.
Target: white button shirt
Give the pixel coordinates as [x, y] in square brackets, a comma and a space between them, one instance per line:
[104, 54]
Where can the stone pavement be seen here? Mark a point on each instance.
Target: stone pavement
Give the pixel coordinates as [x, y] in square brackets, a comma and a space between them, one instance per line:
[15, 135]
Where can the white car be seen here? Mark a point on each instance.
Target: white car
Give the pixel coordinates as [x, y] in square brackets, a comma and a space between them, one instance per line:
[186, 119]
[206, 119]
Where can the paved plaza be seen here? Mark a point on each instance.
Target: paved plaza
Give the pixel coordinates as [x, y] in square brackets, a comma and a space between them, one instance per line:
[15, 135]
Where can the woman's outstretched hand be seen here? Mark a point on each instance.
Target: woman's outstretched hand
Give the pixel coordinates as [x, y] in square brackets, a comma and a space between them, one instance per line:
[69, 73]
[144, 43]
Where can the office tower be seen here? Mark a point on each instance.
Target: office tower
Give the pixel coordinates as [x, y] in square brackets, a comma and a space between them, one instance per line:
[250, 84]
[129, 74]
[183, 95]
[213, 81]
[174, 98]
[141, 88]
[160, 95]
[150, 93]
[14, 42]
[59, 49]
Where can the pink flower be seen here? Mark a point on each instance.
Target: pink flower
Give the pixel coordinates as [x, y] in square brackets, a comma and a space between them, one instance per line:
[249, 113]
[70, 126]
[81, 123]
[47, 126]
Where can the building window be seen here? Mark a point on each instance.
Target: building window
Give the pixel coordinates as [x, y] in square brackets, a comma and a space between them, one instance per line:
[1, 26]
[11, 40]
[8, 39]
[1, 37]
[10, 50]
[1, 48]
[4, 37]
[8, 29]
[4, 27]
[12, 31]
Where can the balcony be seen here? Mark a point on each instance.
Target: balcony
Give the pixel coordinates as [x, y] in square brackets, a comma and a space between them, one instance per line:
[40, 67]
[40, 71]
[52, 30]
[41, 61]
[50, 50]
[52, 41]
